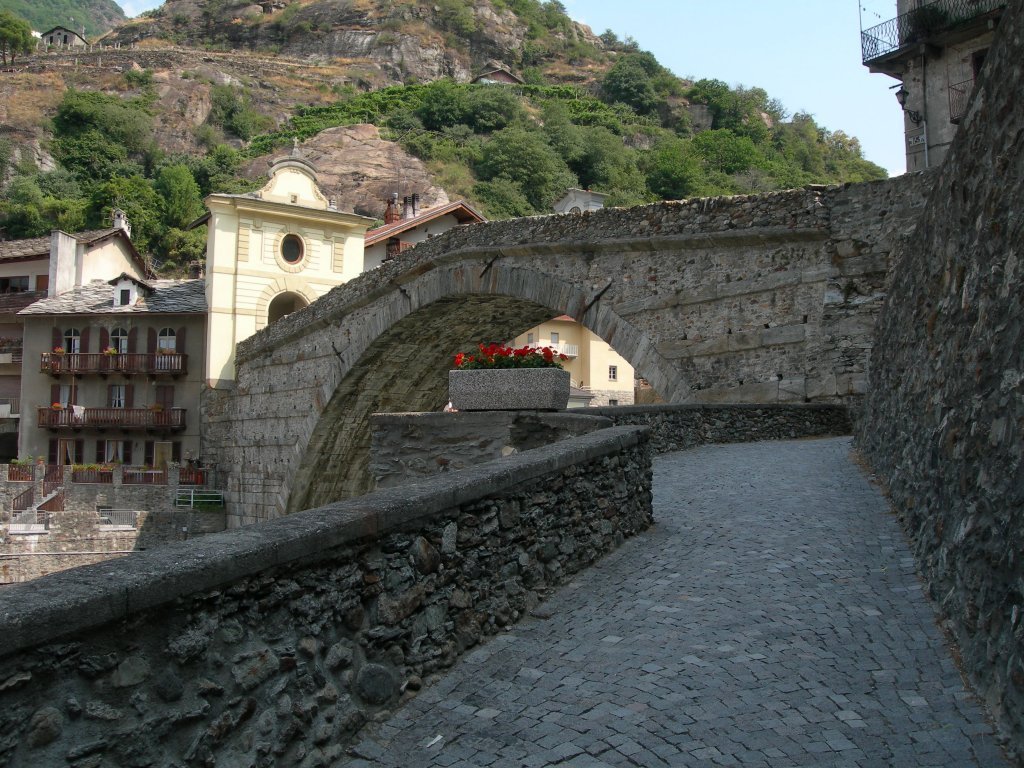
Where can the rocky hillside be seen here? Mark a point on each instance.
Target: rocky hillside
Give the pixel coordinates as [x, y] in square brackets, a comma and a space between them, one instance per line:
[382, 43]
[95, 16]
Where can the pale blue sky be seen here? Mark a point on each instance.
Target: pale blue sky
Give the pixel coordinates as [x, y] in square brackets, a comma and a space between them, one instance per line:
[806, 53]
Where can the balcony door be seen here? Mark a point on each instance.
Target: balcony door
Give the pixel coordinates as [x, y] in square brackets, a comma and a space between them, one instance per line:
[162, 453]
[67, 452]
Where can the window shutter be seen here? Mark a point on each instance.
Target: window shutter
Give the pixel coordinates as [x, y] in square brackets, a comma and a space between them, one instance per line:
[127, 451]
[54, 393]
[129, 395]
[79, 451]
[58, 339]
[147, 458]
[104, 339]
[176, 452]
[165, 395]
[52, 453]
[179, 342]
[132, 334]
[151, 341]
[101, 451]
[85, 340]
[73, 395]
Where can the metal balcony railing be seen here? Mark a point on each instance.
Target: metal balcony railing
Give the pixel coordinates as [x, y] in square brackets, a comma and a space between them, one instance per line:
[56, 363]
[560, 347]
[122, 418]
[921, 24]
[959, 99]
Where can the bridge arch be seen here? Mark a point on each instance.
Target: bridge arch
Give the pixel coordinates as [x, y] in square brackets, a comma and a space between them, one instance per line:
[405, 366]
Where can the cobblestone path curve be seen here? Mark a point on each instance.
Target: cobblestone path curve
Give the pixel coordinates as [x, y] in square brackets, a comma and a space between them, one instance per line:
[771, 617]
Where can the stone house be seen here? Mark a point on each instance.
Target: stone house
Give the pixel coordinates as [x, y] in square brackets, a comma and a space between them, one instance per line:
[62, 37]
[497, 76]
[404, 228]
[579, 200]
[121, 376]
[935, 51]
[38, 267]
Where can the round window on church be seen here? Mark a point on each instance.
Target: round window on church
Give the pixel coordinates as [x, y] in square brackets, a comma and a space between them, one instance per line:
[291, 249]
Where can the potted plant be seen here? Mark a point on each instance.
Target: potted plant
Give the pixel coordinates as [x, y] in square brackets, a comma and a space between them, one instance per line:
[500, 378]
[58, 350]
[110, 351]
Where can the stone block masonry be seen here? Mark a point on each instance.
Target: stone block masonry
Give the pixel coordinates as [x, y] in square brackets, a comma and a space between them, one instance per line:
[766, 299]
[272, 645]
[943, 423]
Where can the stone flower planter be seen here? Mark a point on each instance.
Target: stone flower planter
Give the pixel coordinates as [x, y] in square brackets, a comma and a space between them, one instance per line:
[509, 389]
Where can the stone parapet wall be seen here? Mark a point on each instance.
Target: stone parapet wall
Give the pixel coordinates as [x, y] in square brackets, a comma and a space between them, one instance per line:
[273, 644]
[678, 427]
[943, 422]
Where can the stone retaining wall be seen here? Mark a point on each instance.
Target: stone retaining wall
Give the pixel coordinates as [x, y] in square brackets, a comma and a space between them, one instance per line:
[408, 446]
[677, 427]
[943, 424]
[272, 644]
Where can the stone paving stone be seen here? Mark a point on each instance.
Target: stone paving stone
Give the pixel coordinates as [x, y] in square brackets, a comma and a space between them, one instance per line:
[771, 617]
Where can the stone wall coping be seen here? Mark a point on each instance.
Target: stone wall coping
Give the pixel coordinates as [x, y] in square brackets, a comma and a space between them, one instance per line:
[54, 606]
[548, 418]
[619, 410]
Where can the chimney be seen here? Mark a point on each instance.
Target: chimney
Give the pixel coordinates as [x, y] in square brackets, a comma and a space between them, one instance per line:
[415, 205]
[391, 211]
[121, 221]
[406, 207]
[196, 269]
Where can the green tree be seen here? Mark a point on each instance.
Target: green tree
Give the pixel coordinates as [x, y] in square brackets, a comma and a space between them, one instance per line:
[182, 200]
[723, 151]
[15, 36]
[674, 172]
[135, 196]
[629, 82]
[525, 158]
[444, 104]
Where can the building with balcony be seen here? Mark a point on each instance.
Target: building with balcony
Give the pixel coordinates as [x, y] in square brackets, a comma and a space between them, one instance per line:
[935, 50]
[121, 375]
[598, 374]
[38, 267]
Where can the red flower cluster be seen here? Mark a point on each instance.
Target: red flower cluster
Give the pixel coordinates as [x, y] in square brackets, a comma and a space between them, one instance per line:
[498, 356]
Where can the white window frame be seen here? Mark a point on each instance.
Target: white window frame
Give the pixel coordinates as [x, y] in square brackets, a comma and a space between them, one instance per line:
[118, 395]
[613, 373]
[119, 340]
[167, 339]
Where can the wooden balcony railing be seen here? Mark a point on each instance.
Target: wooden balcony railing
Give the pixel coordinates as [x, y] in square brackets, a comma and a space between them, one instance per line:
[121, 418]
[173, 364]
[20, 473]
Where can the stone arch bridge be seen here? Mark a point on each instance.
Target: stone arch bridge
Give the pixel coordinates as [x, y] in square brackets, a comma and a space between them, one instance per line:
[742, 299]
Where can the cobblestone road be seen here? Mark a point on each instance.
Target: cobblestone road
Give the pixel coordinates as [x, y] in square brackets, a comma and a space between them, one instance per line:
[771, 617]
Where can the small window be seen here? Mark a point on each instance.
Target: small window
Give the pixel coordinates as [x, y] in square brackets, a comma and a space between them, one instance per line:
[125, 297]
[613, 373]
[529, 338]
[72, 341]
[119, 340]
[613, 401]
[167, 340]
[113, 450]
[292, 249]
[14, 284]
[554, 338]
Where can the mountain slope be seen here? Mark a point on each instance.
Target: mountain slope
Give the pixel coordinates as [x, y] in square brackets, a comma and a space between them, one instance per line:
[96, 16]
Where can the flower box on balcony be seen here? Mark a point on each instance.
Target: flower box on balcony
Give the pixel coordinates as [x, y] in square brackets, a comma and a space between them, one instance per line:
[509, 389]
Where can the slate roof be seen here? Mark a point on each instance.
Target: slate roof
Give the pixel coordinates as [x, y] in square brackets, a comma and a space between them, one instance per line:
[168, 296]
[10, 303]
[11, 250]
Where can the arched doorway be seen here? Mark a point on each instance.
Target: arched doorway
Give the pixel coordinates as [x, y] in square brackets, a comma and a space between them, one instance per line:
[284, 304]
